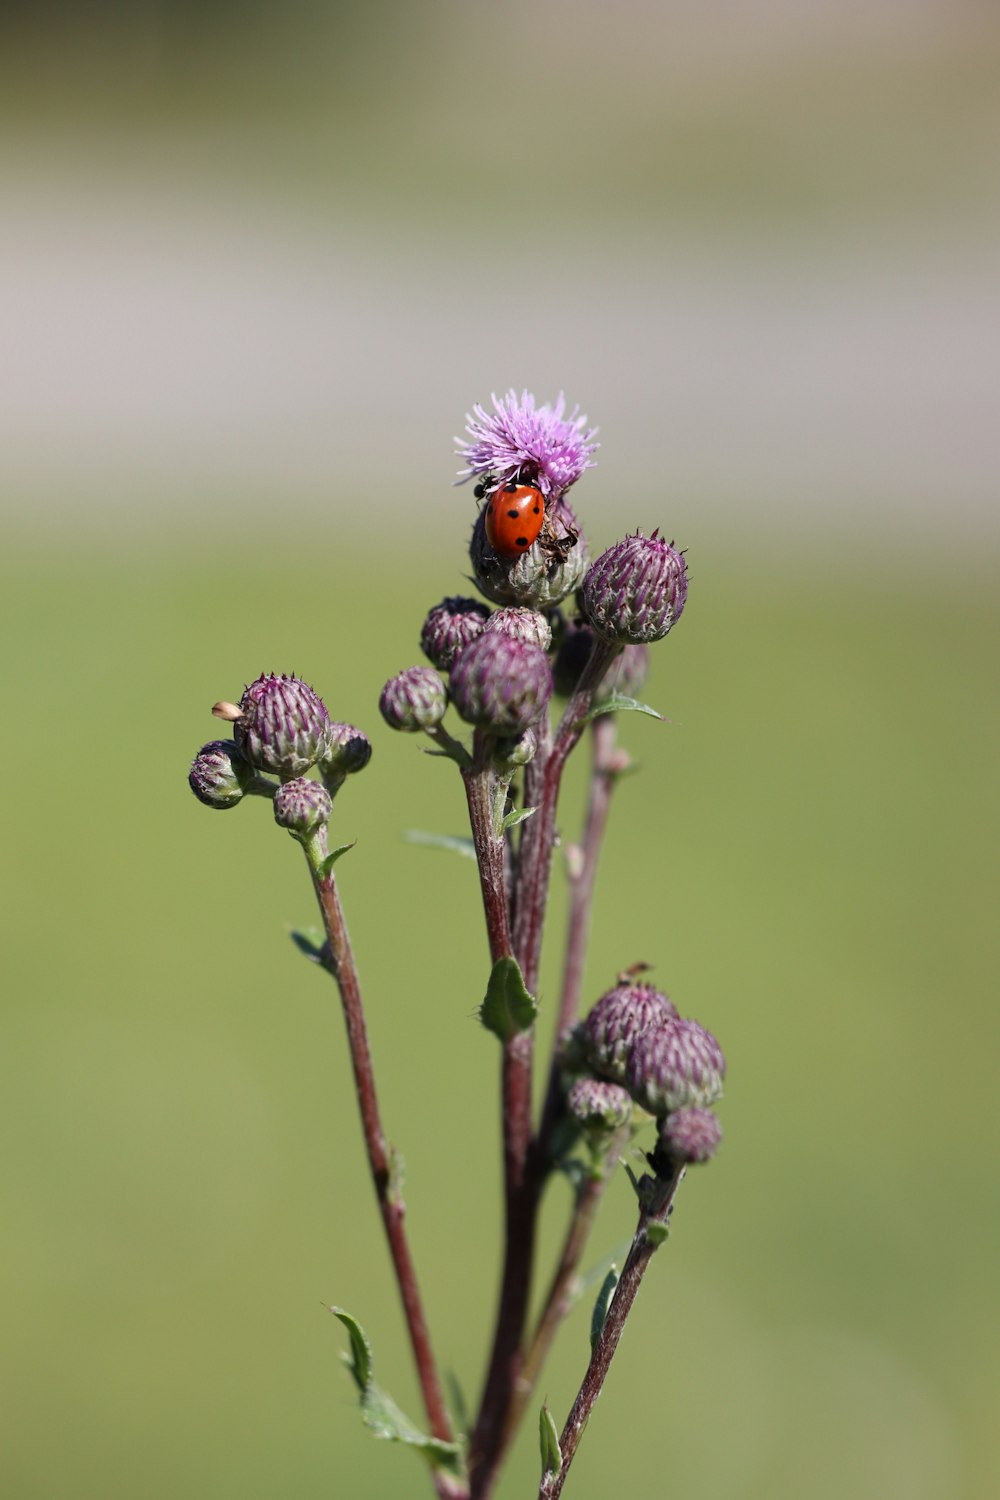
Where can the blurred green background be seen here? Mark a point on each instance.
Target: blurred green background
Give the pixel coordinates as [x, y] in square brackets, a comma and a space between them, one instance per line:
[255, 266]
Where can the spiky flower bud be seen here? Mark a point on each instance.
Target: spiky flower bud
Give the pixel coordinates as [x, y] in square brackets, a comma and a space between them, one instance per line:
[219, 775]
[449, 626]
[636, 590]
[541, 577]
[414, 699]
[673, 1066]
[284, 727]
[691, 1134]
[501, 684]
[598, 1106]
[302, 806]
[618, 1018]
[625, 676]
[350, 751]
[522, 625]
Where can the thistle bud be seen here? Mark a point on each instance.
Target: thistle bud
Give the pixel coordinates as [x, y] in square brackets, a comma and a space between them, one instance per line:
[414, 699]
[522, 625]
[350, 751]
[597, 1106]
[673, 1066]
[626, 675]
[509, 755]
[636, 590]
[219, 775]
[501, 684]
[449, 626]
[541, 577]
[284, 727]
[618, 1018]
[691, 1134]
[302, 806]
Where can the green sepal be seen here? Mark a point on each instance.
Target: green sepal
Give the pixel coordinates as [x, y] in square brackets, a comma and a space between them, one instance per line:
[619, 704]
[548, 1439]
[449, 841]
[517, 816]
[602, 1304]
[312, 942]
[328, 863]
[507, 1008]
[380, 1413]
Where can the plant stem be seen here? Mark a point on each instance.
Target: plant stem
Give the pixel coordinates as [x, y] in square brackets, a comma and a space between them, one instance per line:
[649, 1234]
[340, 961]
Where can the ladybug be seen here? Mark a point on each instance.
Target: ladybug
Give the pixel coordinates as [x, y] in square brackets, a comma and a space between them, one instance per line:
[514, 517]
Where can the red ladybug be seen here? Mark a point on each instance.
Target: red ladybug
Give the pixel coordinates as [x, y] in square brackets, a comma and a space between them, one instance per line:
[514, 518]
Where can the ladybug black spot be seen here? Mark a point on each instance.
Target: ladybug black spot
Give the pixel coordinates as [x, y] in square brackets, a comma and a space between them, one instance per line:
[512, 515]
[522, 541]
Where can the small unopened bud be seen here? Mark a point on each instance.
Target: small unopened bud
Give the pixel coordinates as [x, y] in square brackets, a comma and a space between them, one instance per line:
[522, 625]
[541, 577]
[219, 775]
[350, 751]
[691, 1134]
[597, 1106]
[414, 699]
[501, 684]
[673, 1066]
[449, 626]
[626, 675]
[636, 590]
[283, 726]
[302, 806]
[511, 754]
[619, 1017]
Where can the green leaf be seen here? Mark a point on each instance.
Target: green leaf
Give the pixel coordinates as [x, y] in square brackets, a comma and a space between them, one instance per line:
[517, 816]
[507, 1008]
[441, 841]
[619, 704]
[380, 1413]
[548, 1438]
[331, 859]
[602, 1304]
[311, 942]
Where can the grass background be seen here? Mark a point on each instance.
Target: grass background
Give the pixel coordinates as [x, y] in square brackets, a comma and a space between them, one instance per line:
[808, 855]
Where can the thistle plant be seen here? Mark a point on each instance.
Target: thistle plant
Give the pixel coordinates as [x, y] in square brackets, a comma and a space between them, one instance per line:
[564, 629]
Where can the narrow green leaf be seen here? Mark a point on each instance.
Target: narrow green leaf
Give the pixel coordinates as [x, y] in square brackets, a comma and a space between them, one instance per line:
[507, 1008]
[602, 1304]
[517, 816]
[459, 1405]
[331, 859]
[548, 1439]
[441, 841]
[619, 704]
[359, 1361]
[310, 941]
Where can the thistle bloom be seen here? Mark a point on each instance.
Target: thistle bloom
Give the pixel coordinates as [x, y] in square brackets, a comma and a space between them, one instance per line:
[449, 626]
[219, 775]
[501, 684]
[636, 590]
[673, 1066]
[284, 727]
[619, 1017]
[691, 1134]
[518, 440]
[302, 806]
[414, 699]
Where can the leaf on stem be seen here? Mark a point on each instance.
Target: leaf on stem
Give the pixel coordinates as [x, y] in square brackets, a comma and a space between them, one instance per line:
[517, 816]
[331, 859]
[312, 942]
[450, 841]
[602, 1304]
[619, 704]
[380, 1413]
[548, 1437]
[507, 1008]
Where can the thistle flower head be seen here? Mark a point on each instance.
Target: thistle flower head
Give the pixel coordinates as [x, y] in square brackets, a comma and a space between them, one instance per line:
[518, 440]
[673, 1066]
[219, 775]
[501, 684]
[522, 625]
[414, 699]
[598, 1106]
[350, 751]
[283, 727]
[449, 626]
[539, 578]
[691, 1134]
[619, 1017]
[302, 805]
[636, 590]
[626, 675]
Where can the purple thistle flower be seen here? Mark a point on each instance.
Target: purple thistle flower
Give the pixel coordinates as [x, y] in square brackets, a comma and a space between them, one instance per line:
[219, 775]
[691, 1134]
[414, 699]
[518, 440]
[501, 684]
[673, 1066]
[449, 626]
[284, 727]
[618, 1018]
[636, 590]
[302, 806]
